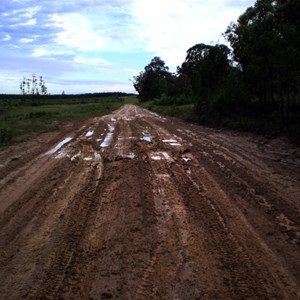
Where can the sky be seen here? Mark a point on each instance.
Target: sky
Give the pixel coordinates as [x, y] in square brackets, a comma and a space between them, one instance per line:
[90, 46]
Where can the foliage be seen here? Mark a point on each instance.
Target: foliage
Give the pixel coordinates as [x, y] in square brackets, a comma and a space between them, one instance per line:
[266, 44]
[18, 117]
[33, 86]
[206, 66]
[152, 82]
[254, 86]
[182, 111]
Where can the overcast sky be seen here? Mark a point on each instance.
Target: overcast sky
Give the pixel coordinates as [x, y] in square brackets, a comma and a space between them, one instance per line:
[82, 46]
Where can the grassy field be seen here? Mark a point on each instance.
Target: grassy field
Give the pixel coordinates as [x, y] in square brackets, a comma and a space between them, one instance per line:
[20, 118]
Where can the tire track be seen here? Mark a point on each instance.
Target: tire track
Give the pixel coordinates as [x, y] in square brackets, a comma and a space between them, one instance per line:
[70, 236]
[137, 206]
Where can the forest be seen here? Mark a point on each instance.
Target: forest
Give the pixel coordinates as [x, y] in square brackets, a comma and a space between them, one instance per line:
[251, 85]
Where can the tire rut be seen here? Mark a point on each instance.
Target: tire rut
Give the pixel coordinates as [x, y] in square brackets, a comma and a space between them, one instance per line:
[137, 206]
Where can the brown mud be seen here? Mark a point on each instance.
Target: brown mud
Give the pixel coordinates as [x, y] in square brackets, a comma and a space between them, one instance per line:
[136, 206]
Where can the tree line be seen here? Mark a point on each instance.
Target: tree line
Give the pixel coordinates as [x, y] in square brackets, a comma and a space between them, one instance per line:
[258, 77]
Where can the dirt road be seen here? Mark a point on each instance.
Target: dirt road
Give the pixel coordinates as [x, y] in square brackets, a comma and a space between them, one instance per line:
[136, 206]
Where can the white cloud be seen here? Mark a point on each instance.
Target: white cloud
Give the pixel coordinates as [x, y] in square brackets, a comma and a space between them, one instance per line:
[24, 40]
[93, 61]
[169, 28]
[51, 51]
[30, 22]
[76, 32]
[7, 37]
[40, 52]
[29, 12]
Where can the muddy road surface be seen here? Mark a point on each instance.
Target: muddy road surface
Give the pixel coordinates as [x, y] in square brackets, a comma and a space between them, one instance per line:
[136, 206]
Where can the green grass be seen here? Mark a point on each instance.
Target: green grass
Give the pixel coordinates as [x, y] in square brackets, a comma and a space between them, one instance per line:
[185, 112]
[19, 118]
[270, 127]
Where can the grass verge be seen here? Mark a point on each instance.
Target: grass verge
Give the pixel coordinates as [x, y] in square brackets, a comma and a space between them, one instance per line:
[269, 127]
[185, 112]
[18, 119]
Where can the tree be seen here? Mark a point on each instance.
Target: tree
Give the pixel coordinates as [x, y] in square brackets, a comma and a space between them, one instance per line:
[266, 44]
[157, 65]
[206, 66]
[33, 86]
[152, 82]
[254, 43]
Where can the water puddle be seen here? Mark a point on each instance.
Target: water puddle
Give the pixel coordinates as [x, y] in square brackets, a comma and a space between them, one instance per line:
[88, 158]
[59, 145]
[169, 141]
[107, 140]
[156, 157]
[89, 133]
[146, 139]
[172, 142]
[160, 156]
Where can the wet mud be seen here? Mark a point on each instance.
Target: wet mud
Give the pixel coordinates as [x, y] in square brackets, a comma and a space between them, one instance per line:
[137, 206]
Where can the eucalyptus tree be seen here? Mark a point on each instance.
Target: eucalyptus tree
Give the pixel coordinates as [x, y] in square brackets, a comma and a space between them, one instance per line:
[206, 66]
[33, 86]
[266, 44]
[152, 82]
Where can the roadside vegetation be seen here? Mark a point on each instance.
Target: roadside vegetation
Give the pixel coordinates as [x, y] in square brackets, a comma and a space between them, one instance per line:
[254, 86]
[23, 115]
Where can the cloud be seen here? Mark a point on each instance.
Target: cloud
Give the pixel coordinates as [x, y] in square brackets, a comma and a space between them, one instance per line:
[105, 28]
[40, 52]
[30, 22]
[93, 61]
[168, 28]
[24, 40]
[76, 32]
[26, 12]
[7, 37]
[53, 52]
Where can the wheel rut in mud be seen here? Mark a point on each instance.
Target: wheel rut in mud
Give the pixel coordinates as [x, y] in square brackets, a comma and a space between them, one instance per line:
[133, 205]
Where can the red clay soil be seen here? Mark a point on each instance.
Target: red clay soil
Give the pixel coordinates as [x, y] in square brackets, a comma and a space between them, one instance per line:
[136, 206]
